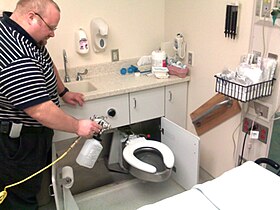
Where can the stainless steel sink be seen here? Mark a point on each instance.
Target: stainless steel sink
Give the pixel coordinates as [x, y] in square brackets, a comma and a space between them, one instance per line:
[80, 86]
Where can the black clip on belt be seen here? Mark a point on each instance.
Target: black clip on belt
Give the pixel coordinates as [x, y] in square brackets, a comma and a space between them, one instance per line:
[4, 127]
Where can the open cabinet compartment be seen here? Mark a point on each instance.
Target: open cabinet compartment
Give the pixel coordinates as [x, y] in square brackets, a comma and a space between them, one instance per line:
[185, 172]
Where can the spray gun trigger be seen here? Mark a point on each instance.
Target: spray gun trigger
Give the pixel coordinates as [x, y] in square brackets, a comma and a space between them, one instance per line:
[101, 121]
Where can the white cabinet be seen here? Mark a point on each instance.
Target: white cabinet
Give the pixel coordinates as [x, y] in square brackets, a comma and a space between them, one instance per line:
[146, 105]
[169, 101]
[114, 108]
[176, 103]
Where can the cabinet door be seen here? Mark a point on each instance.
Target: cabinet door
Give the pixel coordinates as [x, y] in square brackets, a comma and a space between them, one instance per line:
[185, 147]
[176, 103]
[146, 105]
[115, 109]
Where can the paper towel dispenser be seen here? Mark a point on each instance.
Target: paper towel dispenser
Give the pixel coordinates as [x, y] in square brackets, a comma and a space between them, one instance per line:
[99, 33]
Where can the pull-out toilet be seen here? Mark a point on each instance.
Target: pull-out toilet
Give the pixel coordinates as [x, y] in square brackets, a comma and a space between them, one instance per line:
[148, 160]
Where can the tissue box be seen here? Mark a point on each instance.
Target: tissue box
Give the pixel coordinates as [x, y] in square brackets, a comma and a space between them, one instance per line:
[180, 72]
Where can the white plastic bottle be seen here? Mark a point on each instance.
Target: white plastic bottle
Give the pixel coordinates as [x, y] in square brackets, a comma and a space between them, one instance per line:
[89, 153]
[82, 45]
[158, 58]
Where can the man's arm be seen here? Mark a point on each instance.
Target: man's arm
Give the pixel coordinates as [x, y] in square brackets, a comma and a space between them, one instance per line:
[60, 85]
[49, 115]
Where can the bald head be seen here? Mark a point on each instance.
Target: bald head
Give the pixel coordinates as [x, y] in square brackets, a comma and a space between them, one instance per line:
[39, 18]
[23, 6]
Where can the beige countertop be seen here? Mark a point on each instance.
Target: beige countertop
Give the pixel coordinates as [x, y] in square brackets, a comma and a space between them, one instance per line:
[116, 84]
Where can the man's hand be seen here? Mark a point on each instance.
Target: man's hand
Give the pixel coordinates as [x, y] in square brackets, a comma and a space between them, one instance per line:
[73, 98]
[87, 128]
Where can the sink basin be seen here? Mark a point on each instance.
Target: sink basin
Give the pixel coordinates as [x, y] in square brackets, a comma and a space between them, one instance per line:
[80, 86]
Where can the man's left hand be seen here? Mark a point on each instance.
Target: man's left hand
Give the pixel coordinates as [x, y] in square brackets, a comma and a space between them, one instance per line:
[73, 98]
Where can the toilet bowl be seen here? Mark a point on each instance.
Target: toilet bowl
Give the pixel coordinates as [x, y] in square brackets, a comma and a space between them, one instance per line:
[148, 160]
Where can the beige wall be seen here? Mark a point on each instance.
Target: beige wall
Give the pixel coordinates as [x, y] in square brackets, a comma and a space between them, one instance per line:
[136, 27]
[202, 23]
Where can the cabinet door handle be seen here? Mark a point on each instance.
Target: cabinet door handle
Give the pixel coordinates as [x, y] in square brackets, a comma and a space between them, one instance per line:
[170, 96]
[134, 100]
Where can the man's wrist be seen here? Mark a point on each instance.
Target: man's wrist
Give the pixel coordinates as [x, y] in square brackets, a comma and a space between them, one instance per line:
[63, 92]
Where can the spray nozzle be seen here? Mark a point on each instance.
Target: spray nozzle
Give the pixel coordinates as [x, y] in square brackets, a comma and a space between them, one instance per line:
[101, 121]
[105, 126]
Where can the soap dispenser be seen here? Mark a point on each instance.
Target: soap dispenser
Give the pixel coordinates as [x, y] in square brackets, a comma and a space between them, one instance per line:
[99, 34]
[81, 41]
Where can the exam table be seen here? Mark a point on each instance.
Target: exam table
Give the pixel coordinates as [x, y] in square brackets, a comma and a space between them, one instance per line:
[249, 186]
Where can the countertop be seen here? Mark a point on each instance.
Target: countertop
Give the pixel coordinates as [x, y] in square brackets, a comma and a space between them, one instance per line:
[116, 84]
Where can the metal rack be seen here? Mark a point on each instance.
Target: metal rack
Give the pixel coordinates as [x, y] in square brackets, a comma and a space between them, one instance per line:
[243, 93]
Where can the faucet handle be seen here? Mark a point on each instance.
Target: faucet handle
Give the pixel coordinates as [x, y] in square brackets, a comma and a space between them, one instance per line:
[79, 75]
[67, 78]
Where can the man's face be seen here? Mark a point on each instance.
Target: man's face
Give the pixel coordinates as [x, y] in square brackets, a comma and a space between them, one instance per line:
[47, 24]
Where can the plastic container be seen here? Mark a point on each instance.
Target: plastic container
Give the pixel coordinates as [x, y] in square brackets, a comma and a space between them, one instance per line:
[81, 42]
[158, 58]
[89, 153]
[180, 72]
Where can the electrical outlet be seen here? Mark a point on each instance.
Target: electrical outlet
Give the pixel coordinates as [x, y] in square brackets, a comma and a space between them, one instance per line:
[190, 58]
[261, 109]
[247, 123]
[260, 130]
[115, 55]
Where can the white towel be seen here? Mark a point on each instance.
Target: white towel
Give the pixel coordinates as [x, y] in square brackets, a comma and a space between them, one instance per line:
[191, 199]
[248, 186]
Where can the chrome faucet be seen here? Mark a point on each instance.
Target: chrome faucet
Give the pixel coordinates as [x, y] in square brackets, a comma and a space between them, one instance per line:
[66, 77]
[79, 75]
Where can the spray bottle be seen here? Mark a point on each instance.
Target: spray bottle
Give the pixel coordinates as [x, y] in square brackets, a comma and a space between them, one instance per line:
[92, 147]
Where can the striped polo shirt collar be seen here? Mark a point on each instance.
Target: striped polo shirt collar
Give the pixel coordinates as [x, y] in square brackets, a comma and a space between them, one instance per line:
[10, 23]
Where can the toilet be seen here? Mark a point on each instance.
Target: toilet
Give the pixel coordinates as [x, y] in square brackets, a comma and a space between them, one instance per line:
[148, 160]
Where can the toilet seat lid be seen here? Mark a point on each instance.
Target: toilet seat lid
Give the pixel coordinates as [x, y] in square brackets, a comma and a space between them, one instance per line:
[128, 154]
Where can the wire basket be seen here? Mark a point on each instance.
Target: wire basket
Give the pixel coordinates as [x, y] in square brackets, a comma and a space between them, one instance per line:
[243, 93]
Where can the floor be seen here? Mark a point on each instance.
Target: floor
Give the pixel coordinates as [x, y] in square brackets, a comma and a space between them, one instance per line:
[127, 194]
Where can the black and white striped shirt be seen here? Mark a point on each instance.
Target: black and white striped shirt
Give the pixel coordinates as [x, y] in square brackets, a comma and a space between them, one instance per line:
[27, 77]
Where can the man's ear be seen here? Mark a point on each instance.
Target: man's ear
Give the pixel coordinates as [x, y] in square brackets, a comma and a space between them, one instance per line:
[31, 18]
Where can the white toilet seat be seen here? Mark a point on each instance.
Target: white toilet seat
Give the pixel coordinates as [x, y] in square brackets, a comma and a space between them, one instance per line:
[128, 154]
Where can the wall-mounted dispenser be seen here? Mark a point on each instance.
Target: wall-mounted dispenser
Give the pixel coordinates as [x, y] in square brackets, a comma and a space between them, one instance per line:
[99, 34]
[81, 42]
[180, 46]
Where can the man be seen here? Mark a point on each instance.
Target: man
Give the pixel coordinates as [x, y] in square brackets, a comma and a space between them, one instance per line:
[29, 104]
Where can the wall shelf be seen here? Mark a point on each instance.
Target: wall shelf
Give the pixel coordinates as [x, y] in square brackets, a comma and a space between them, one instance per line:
[243, 93]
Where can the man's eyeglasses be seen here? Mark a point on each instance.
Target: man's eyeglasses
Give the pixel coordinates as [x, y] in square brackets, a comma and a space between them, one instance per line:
[51, 28]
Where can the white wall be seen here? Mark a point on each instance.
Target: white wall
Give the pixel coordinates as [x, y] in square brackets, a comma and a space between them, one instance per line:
[202, 23]
[136, 27]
